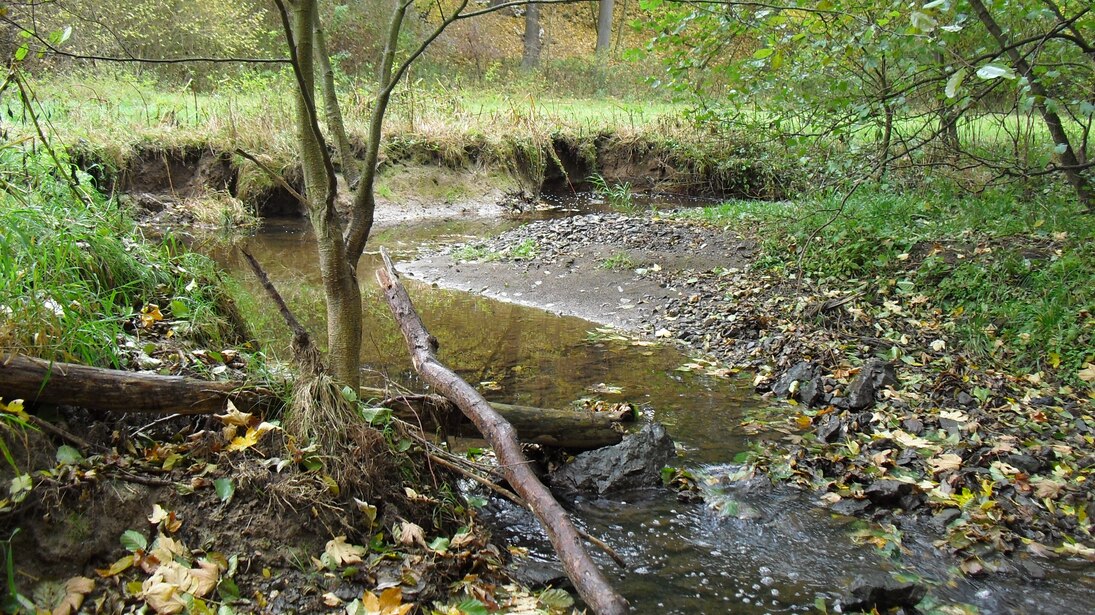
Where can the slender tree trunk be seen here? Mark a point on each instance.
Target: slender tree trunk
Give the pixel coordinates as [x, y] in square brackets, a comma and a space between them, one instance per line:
[604, 27]
[361, 223]
[340, 287]
[530, 59]
[332, 110]
[1069, 161]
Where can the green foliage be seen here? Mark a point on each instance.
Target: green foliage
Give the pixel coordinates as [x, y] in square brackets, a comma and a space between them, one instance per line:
[73, 273]
[618, 261]
[618, 195]
[1015, 271]
[853, 87]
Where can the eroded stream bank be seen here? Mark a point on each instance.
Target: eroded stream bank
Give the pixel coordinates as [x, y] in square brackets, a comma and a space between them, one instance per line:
[756, 548]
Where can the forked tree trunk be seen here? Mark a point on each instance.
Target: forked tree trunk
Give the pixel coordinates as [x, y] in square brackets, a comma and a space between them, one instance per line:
[331, 109]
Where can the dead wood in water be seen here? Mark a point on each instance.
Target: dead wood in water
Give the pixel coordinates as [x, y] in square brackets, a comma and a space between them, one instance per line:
[570, 429]
[579, 566]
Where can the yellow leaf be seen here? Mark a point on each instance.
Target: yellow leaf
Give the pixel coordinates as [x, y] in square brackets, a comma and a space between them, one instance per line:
[15, 407]
[233, 416]
[158, 514]
[343, 552]
[390, 599]
[117, 567]
[252, 437]
[150, 315]
[371, 603]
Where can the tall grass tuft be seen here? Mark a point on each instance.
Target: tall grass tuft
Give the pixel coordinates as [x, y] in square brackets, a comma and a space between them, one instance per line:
[72, 273]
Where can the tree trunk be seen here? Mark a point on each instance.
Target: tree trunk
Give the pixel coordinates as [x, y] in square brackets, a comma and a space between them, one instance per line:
[579, 566]
[604, 27]
[332, 111]
[340, 288]
[530, 59]
[1069, 161]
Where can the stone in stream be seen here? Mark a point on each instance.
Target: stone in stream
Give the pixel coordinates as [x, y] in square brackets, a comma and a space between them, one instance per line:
[810, 386]
[864, 595]
[636, 462]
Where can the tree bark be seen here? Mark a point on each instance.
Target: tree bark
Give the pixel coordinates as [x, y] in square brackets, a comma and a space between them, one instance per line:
[331, 109]
[340, 287]
[604, 27]
[530, 58]
[1070, 163]
[579, 566]
[69, 384]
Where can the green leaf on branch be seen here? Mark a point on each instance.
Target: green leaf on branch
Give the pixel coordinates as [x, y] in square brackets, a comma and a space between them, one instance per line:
[954, 83]
[995, 71]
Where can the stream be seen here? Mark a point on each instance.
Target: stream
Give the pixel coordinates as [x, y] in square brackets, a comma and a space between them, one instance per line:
[764, 550]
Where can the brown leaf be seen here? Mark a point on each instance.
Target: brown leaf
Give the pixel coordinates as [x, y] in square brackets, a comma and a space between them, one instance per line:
[76, 589]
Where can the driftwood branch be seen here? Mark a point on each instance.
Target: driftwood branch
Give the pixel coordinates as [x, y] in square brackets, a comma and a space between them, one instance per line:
[579, 566]
[569, 429]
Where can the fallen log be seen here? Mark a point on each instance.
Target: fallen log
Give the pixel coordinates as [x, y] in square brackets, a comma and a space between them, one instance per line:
[96, 388]
[579, 566]
[52, 382]
[570, 429]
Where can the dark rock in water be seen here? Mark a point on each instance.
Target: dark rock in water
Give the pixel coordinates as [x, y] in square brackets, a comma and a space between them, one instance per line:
[882, 595]
[803, 372]
[812, 392]
[535, 574]
[888, 492]
[634, 463]
[850, 507]
[873, 377]
[944, 517]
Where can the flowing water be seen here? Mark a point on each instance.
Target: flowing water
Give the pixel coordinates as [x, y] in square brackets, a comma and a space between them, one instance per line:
[767, 549]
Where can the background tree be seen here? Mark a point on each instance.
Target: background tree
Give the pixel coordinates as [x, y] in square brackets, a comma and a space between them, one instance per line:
[604, 26]
[533, 42]
[851, 87]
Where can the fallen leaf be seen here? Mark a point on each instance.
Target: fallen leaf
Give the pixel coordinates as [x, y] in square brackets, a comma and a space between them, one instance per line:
[233, 416]
[252, 437]
[76, 589]
[1087, 374]
[945, 462]
[331, 600]
[344, 553]
[410, 534]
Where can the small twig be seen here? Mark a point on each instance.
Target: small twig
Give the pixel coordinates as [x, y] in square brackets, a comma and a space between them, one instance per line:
[141, 480]
[154, 423]
[305, 351]
[61, 433]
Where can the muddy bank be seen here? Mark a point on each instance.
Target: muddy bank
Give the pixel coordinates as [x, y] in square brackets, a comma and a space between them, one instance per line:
[421, 178]
[883, 416]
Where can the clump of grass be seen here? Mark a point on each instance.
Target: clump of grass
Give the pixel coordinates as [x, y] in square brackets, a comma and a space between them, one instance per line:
[1014, 270]
[618, 195]
[525, 250]
[618, 262]
[72, 271]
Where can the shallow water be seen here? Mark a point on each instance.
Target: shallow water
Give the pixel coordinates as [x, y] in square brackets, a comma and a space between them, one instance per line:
[777, 552]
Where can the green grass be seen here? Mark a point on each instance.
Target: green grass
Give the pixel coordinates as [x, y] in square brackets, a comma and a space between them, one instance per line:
[1014, 271]
[73, 272]
[618, 262]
